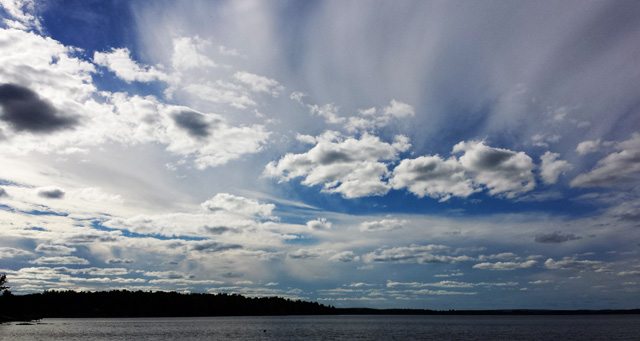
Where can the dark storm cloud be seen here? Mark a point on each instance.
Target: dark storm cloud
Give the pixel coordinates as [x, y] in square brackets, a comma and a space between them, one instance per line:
[556, 237]
[24, 110]
[193, 122]
[51, 193]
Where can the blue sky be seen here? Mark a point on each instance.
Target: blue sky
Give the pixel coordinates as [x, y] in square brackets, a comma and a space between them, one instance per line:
[427, 154]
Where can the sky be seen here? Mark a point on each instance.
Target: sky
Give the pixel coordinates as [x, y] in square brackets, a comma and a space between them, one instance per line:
[384, 154]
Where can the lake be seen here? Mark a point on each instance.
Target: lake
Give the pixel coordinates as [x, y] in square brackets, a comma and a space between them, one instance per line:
[594, 327]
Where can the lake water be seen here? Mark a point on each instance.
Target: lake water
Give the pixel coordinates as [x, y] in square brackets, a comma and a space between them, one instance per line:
[597, 327]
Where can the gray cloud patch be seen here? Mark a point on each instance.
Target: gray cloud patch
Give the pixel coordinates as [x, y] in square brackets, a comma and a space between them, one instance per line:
[556, 237]
[119, 261]
[193, 122]
[217, 230]
[51, 193]
[24, 110]
[214, 247]
[3, 193]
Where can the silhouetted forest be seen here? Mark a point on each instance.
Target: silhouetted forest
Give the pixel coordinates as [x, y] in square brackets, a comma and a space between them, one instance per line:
[122, 303]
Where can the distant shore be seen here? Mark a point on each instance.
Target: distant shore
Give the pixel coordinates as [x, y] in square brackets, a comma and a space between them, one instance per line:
[70, 304]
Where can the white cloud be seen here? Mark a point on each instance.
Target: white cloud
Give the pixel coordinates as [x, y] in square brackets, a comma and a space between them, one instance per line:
[55, 249]
[11, 252]
[571, 263]
[434, 177]
[372, 118]
[305, 254]
[239, 205]
[615, 169]
[348, 166]
[119, 61]
[23, 14]
[319, 224]
[398, 109]
[502, 171]
[344, 256]
[220, 92]
[187, 54]
[421, 254]
[550, 169]
[46, 67]
[328, 111]
[587, 147]
[260, 83]
[383, 225]
[60, 260]
[505, 266]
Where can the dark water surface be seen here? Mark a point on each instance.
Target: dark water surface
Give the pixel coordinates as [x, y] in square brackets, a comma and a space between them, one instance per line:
[595, 327]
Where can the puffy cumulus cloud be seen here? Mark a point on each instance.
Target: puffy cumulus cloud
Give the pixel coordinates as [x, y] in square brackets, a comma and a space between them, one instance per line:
[434, 177]
[47, 67]
[53, 73]
[319, 224]
[383, 225]
[415, 254]
[60, 260]
[188, 54]
[21, 14]
[11, 252]
[209, 139]
[205, 137]
[177, 224]
[551, 168]
[50, 192]
[24, 110]
[328, 111]
[556, 237]
[231, 219]
[398, 109]
[571, 263]
[505, 266]
[260, 83]
[239, 205]
[54, 249]
[373, 118]
[349, 166]
[615, 169]
[542, 140]
[587, 147]
[344, 256]
[502, 171]
[305, 254]
[119, 61]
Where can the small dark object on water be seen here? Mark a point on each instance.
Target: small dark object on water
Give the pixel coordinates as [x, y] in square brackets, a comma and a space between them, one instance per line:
[264, 331]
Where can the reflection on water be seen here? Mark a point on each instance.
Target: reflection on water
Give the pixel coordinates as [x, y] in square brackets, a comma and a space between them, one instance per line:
[597, 327]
